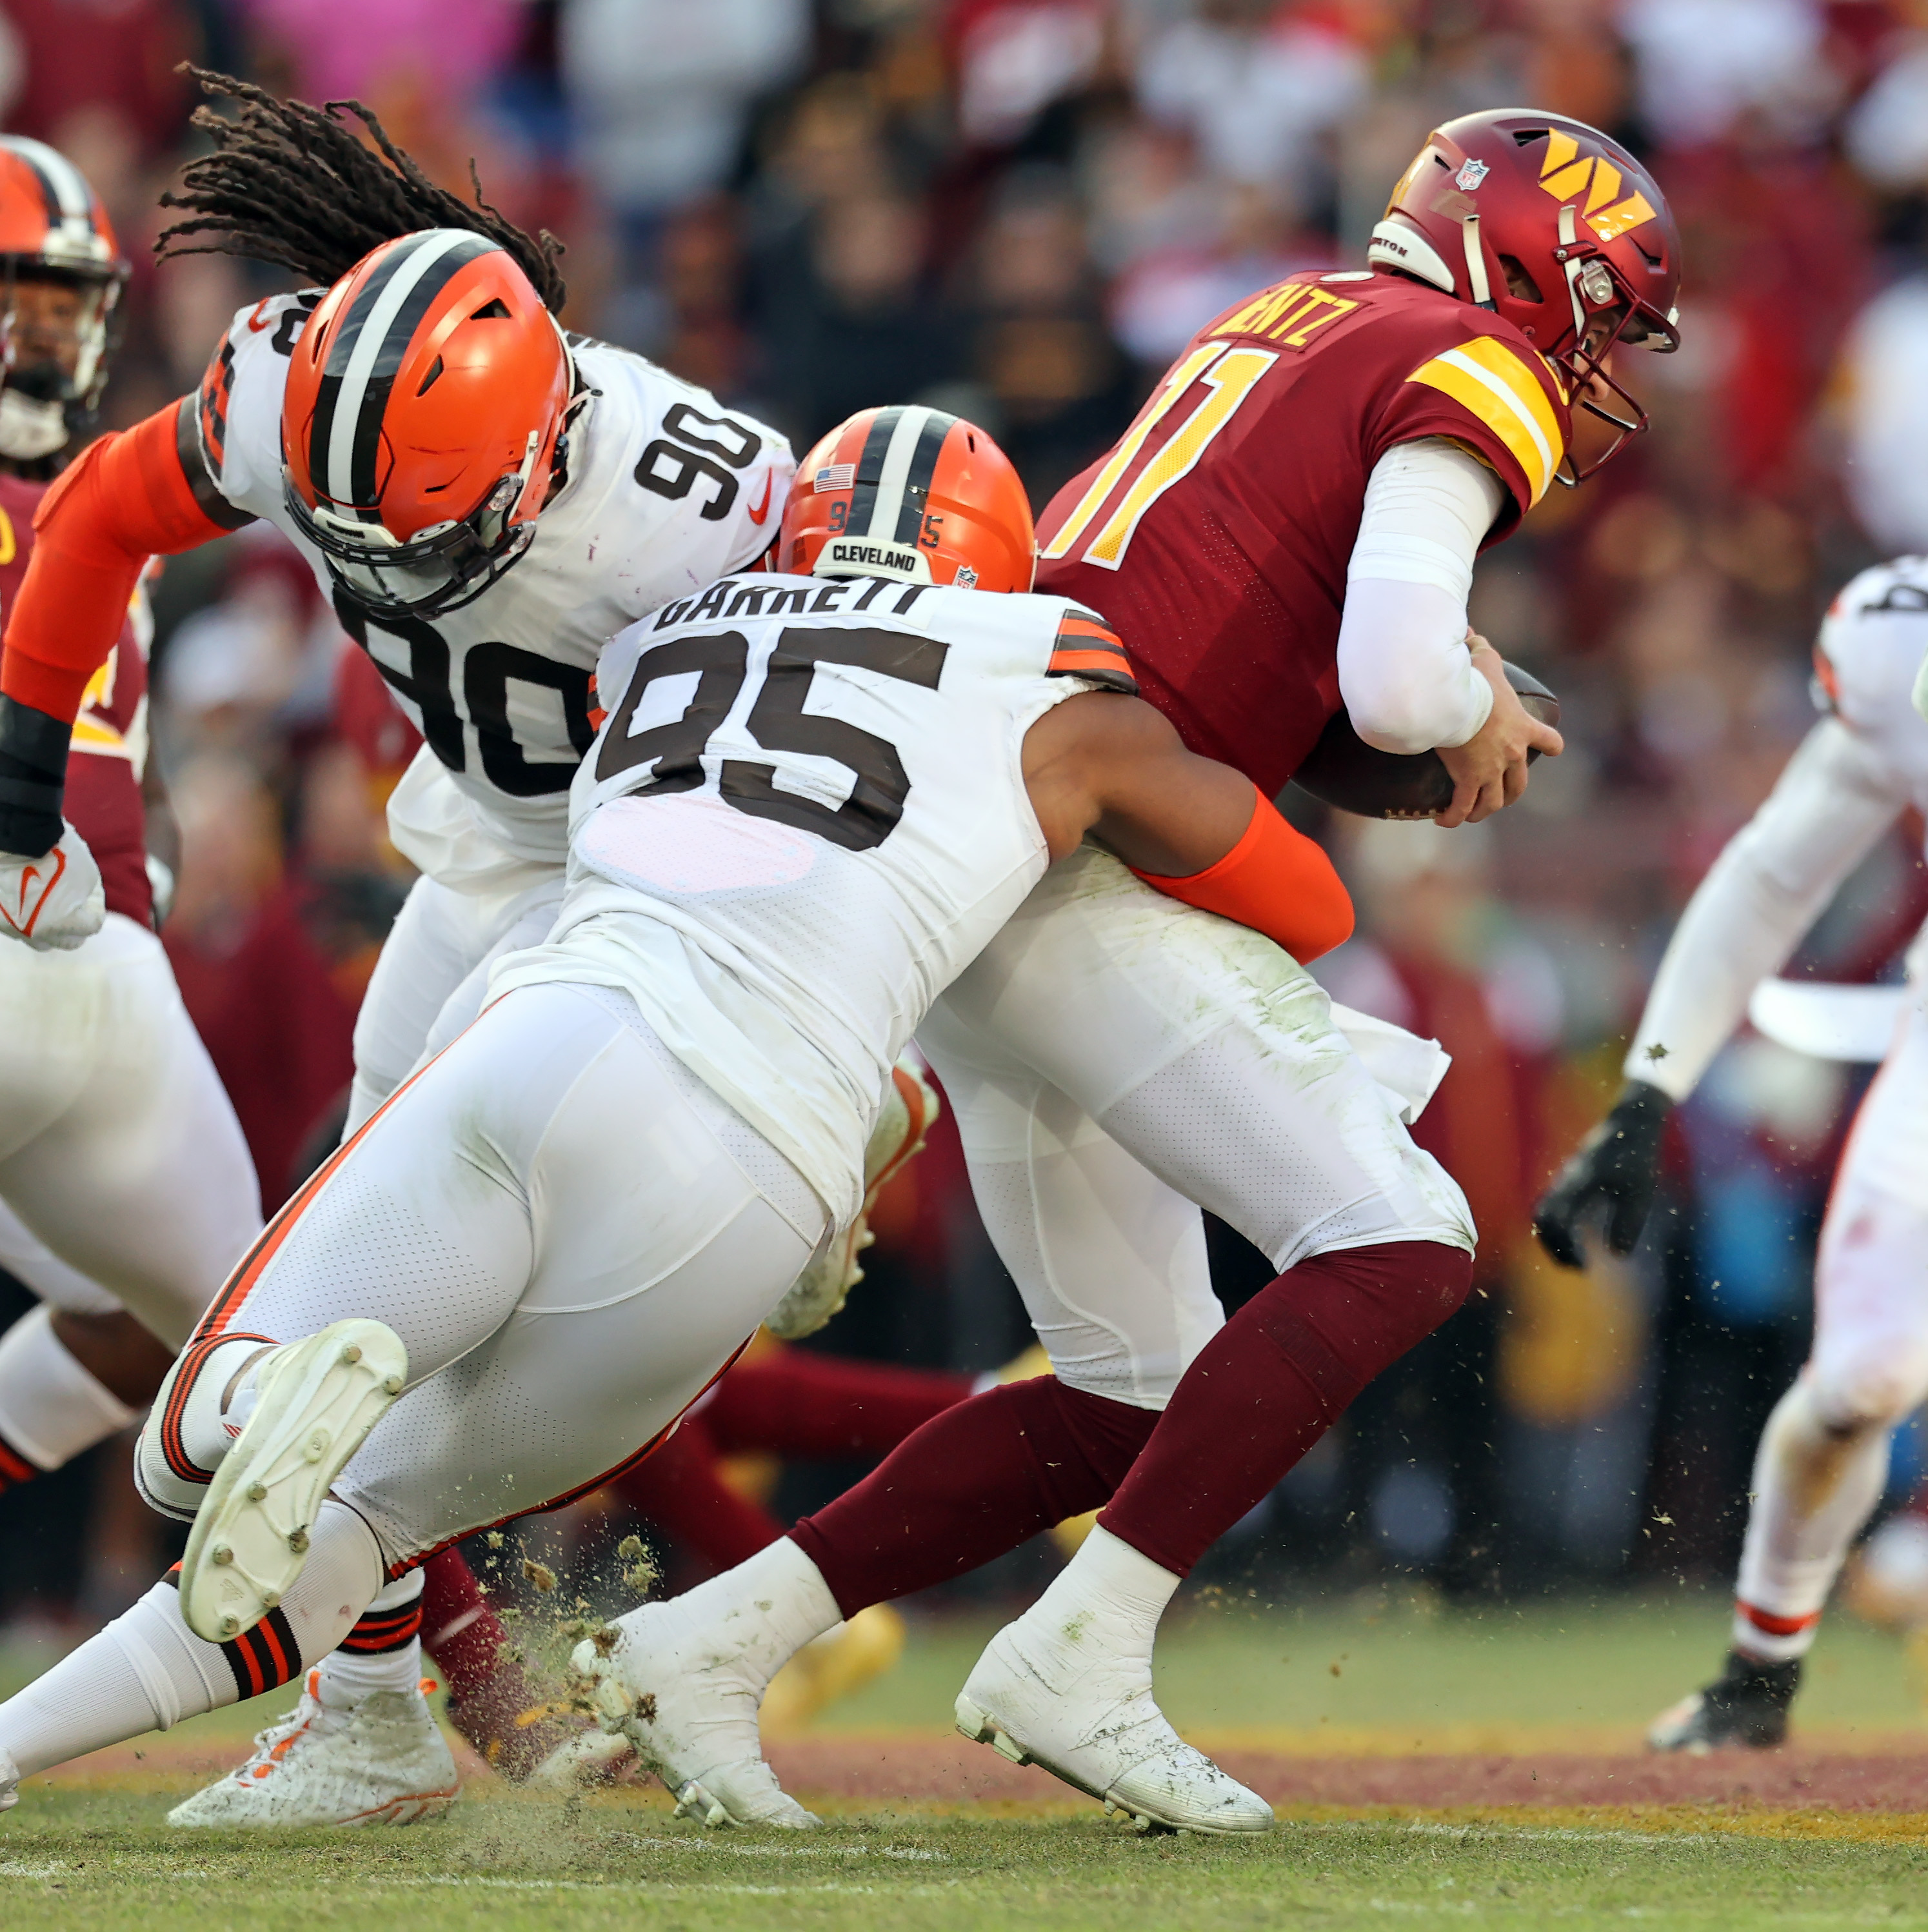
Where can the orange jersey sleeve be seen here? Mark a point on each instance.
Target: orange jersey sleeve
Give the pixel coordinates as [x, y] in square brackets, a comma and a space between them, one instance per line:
[128, 496]
[1276, 880]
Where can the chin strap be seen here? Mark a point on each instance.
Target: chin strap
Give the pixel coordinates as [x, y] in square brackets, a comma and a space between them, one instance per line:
[30, 429]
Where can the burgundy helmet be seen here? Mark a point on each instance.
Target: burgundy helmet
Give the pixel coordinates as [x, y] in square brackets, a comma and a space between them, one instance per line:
[1546, 222]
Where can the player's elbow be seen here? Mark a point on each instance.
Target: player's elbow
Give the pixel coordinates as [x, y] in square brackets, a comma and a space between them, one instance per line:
[1326, 920]
[1400, 725]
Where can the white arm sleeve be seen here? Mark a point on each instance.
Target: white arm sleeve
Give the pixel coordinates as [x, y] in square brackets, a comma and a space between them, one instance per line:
[1767, 887]
[1405, 673]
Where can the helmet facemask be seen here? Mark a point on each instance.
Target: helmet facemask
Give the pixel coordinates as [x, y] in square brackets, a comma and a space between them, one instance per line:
[440, 567]
[57, 335]
[1607, 313]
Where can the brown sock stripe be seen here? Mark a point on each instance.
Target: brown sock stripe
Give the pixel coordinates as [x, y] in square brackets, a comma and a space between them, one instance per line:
[382, 1630]
[265, 1656]
[193, 1358]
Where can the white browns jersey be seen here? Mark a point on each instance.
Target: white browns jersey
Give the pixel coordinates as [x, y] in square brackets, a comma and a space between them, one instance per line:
[1860, 767]
[804, 814]
[666, 489]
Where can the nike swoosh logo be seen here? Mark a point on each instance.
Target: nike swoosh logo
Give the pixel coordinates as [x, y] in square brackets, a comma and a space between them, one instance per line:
[22, 919]
[762, 509]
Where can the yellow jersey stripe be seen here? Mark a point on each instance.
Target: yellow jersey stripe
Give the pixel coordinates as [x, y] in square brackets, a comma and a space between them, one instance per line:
[1496, 388]
[1497, 359]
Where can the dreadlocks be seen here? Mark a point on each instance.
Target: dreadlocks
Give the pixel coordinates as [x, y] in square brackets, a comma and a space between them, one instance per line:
[293, 184]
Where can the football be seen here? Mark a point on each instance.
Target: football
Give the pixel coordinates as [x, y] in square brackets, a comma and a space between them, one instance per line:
[1343, 771]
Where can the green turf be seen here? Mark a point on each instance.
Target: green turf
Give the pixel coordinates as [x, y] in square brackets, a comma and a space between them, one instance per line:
[103, 1859]
[103, 1862]
[1230, 1664]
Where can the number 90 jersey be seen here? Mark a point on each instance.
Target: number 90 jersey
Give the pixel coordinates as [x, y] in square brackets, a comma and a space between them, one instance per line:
[664, 490]
[804, 815]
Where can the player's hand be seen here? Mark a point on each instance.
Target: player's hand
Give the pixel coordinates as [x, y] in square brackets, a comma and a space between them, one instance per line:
[56, 901]
[1488, 771]
[1612, 1177]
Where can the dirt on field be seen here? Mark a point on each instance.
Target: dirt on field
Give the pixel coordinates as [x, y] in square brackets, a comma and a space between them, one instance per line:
[942, 1770]
[1880, 1777]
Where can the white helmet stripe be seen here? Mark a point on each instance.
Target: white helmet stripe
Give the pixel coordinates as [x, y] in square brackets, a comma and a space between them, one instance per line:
[895, 474]
[367, 350]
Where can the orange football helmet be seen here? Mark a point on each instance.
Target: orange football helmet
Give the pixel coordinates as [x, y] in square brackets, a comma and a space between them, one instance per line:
[427, 401]
[1547, 223]
[52, 229]
[911, 494]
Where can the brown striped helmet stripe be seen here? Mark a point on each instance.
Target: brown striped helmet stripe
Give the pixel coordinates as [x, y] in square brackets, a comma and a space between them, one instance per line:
[363, 353]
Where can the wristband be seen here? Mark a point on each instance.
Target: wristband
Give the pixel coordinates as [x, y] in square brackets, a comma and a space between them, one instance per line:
[1276, 880]
[33, 778]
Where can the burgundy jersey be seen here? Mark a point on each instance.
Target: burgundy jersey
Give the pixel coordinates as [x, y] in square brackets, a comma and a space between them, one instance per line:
[109, 748]
[1215, 536]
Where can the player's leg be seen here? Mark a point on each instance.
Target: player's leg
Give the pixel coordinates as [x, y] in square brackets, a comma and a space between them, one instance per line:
[429, 980]
[1071, 1213]
[423, 1223]
[590, 1253]
[1212, 1058]
[114, 1125]
[1823, 1458]
[74, 1370]
[141, 1182]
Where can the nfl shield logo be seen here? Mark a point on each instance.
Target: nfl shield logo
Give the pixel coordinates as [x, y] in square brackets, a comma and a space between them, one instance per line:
[1470, 174]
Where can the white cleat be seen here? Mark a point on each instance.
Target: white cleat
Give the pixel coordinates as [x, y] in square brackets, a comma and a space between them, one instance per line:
[591, 1757]
[10, 1782]
[317, 1400]
[689, 1704]
[1102, 1735]
[910, 1109]
[383, 1762]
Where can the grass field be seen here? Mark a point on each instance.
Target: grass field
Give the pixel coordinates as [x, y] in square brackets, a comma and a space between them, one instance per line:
[925, 1831]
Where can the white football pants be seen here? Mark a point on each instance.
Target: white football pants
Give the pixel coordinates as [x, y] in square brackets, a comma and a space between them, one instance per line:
[1114, 1057]
[432, 975]
[121, 1164]
[571, 1235]
[1823, 1460]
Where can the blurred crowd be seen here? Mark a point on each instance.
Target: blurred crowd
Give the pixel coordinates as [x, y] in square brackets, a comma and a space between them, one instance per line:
[1020, 210]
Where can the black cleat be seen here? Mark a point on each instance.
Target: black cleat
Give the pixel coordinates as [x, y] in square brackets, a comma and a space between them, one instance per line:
[1746, 1709]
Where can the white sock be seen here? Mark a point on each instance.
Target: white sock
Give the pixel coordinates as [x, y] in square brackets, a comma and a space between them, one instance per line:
[147, 1670]
[350, 1673]
[770, 1606]
[1814, 1487]
[51, 1407]
[1104, 1605]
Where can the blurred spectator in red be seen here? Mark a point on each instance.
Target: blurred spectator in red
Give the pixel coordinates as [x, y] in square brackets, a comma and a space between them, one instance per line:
[258, 988]
[1060, 392]
[73, 56]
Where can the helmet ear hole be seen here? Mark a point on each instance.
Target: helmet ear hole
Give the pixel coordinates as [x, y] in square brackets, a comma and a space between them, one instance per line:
[1520, 285]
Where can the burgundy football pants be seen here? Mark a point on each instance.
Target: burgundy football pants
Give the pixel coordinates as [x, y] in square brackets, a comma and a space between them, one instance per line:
[985, 1476]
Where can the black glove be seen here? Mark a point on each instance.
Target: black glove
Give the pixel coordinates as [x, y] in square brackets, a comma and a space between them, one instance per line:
[1615, 1173]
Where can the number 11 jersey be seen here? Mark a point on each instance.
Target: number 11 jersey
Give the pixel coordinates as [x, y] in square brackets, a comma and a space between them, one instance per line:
[664, 490]
[1215, 536]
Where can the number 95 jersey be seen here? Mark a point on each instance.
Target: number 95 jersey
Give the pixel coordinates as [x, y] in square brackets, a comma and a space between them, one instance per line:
[805, 814]
[664, 491]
